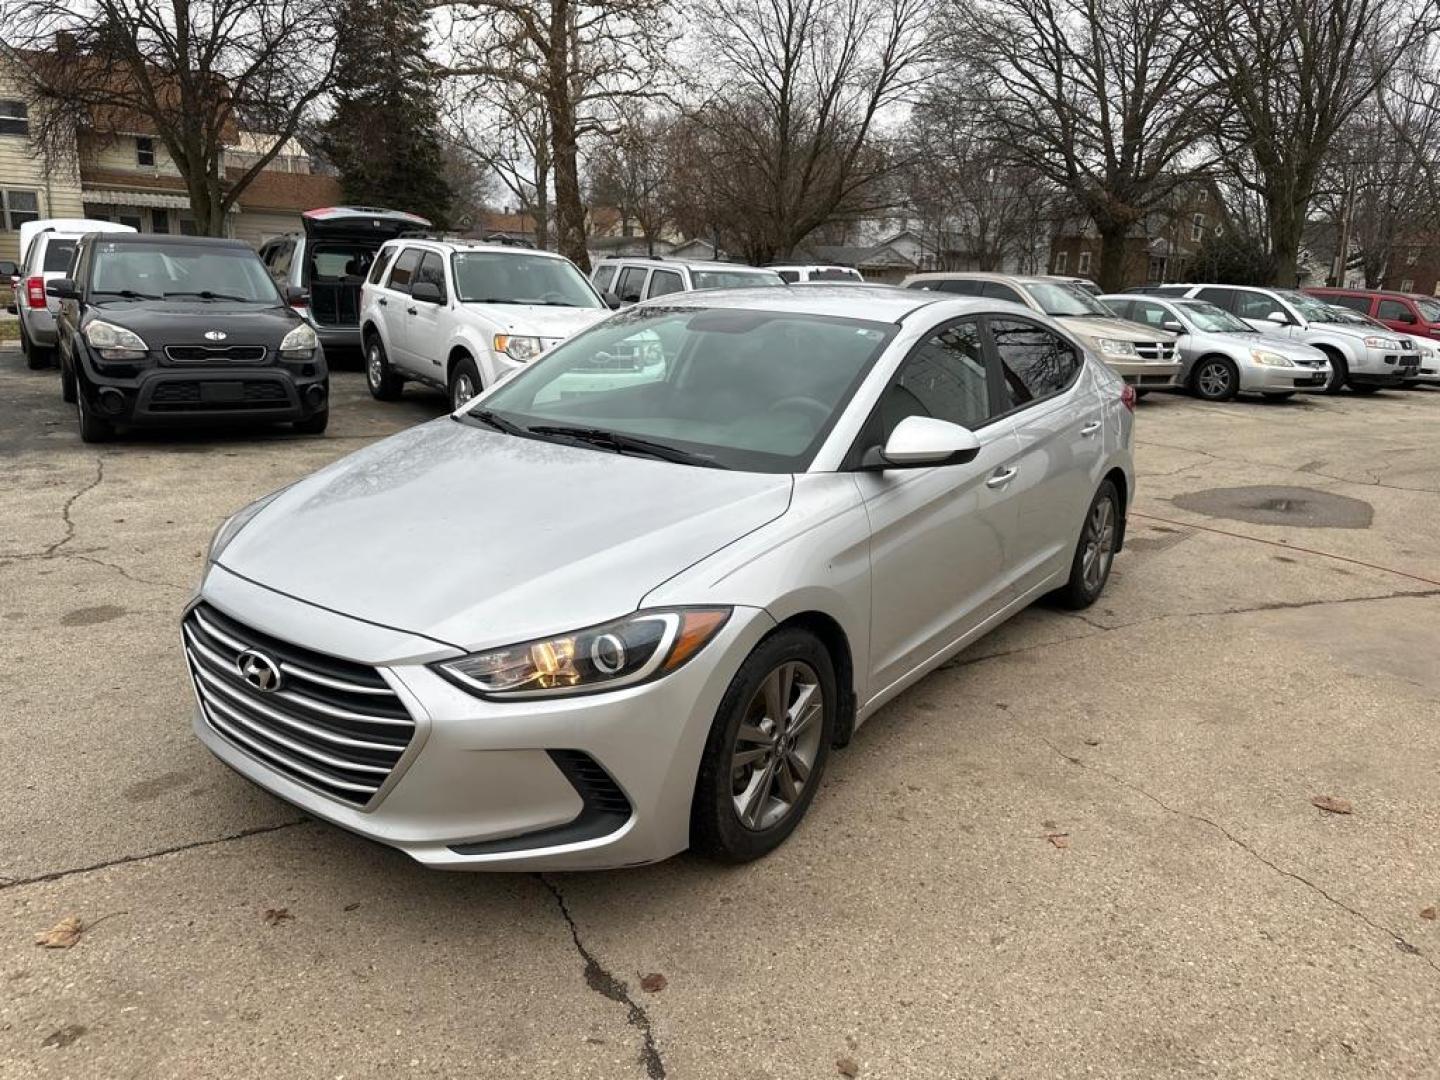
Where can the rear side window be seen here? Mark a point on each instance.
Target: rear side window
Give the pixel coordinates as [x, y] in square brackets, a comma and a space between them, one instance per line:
[382, 260]
[1148, 312]
[1254, 305]
[1354, 303]
[961, 287]
[1221, 298]
[1037, 362]
[280, 260]
[603, 277]
[59, 254]
[663, 282]
[834, 274]
[1390, 310]
[431, 270]
[1121, 307]
[790, 277]
[996, 291]
[632, 282]
[404, 271]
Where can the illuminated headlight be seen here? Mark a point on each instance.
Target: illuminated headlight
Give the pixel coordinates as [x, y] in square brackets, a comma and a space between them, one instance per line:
[1270, 359]
[518, 348]
[115, 342]
[1387, 343]
[639, 647]
[1111, 347]
[300, 343]
[231, 526]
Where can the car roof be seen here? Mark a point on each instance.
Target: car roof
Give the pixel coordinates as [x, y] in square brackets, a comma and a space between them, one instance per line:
[876, 303]
[142, 239]
[692, 264]
[1335, 290]
[469, 245]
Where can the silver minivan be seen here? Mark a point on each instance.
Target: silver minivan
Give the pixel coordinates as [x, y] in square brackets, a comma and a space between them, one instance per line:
[49, 249]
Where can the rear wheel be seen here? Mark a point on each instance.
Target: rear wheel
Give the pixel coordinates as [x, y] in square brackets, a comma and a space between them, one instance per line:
[1095, 553]
[1339, 372]
[384, 384]
[1410, 384]
[36, 357]
[1215, 378]
[92, 428]
[767, 749]
[464, 382]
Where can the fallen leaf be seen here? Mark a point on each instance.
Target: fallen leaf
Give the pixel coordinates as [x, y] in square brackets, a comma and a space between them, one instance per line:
[1059, 839]
[1428, 913]
[352, 907]
[64, 1036]
[653, 983]
[1332, 804]
[1091, 740]
[847, 1067]
[1406, 947]
[63, 934]
[277, 915]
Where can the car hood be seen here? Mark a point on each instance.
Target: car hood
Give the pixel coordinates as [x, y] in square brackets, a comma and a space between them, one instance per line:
[540, 320]
[1295, 350]
[478, 539]
[1350, 330]
[1120, 329]
[175, 322]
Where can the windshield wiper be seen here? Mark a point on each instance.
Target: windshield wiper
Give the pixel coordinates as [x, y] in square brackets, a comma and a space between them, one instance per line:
[621, 443]
[489, 300]
[206, 294]
[496, 421]
[128, 294]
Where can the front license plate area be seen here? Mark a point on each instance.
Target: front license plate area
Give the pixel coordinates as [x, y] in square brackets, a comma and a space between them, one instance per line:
[222, 391]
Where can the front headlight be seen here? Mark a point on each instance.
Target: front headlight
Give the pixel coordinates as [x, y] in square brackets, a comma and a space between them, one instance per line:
[231, 526]
[1112, 347]
[115, 342]
[518, 348]
[1270, 359]
[1386, 343]
[299, 343]
[646, 645]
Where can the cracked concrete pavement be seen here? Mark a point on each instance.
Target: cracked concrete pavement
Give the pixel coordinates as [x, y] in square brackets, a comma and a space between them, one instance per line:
[1085, 848]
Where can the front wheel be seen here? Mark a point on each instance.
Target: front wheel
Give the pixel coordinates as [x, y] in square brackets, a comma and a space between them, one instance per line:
[767, 749]
[1216, 379]
[464, 382]
[1095, 553]
[1339, 373]
[92, 428]
[384, 384]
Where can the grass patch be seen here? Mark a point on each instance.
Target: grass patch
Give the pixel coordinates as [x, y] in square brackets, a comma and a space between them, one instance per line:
[9, 329]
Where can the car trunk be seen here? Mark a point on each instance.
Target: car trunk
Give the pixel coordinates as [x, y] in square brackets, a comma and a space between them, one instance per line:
[341, 243]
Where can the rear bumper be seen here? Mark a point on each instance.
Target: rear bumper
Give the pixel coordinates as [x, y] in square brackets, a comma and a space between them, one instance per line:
[39, 325]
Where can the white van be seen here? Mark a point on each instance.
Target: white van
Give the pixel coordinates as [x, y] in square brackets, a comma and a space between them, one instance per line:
[48, 248]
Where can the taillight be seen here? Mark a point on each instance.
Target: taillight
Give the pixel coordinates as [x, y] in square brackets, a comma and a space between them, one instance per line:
[300, 302]
[1127, 397]
[35, 292]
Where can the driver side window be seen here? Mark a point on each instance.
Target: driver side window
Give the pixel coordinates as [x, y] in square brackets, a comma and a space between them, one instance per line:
[1254, 305]
[945, 376]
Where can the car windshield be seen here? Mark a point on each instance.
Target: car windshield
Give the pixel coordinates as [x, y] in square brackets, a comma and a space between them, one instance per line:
[733, 279]
[1429, 309]
[1313, 310]
[514, 277]
[193, 271]
[1217, 320]
[733, 387]
[1060, 299]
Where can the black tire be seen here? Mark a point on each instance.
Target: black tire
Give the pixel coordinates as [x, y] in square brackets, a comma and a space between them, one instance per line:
[1284, 395]
[1409, 384]
[92, 428]
[1215, 378]
[1140, 393]
[314, 424]
[1082, 589]
[384, 384]
[1339, 373]
[36, 357]
[464, 374]
[716, 829]
[67, 384]
[1364, 389]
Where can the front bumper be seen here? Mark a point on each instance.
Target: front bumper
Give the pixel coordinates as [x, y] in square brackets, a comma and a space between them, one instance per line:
[151, 394]
[484, 785]
[1386, 369]
[1145, 373]
[1264, 379]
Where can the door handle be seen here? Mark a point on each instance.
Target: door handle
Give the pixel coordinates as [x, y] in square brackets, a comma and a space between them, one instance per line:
[411, 311]
[383, 302]
[1090, 429]
[1000, 477]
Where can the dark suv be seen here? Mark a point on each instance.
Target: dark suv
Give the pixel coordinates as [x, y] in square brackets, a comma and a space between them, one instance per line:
[181, 329]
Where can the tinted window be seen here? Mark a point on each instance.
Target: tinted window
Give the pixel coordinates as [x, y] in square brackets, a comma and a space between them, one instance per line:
[943, 377]
[1120, 307]
[789, 276]
[1038, 362]
[1148, 312]
[432, 271]
[59, 254]
[1390, 310]
[280, 260]
[1254, 305]
[381, 262]
[1221, 298]
[835, 273]
[603, 277]
[733, 279]
[663, 282]
[404, 269]
[960, 286]
[631, 284]
[996, 291]
[1354, 303]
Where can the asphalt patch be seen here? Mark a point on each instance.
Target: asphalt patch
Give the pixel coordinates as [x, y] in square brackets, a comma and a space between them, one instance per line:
[1297, 507]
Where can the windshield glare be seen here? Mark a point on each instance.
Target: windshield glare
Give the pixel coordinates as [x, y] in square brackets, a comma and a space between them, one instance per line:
[746, 389]
[186, 271]
[1217, 320]
[733, 279]
[1311, 309]
[510, 277]
[1060, 299]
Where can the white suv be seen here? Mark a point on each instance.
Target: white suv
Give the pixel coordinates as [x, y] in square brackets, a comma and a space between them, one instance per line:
[625, 281]
[462, 316]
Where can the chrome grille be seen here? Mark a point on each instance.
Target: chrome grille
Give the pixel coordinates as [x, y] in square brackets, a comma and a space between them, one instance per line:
[1156, 350]
[331, 724]
[199, 354]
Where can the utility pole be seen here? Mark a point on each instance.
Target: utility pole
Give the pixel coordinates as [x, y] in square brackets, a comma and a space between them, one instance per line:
[1342, 250]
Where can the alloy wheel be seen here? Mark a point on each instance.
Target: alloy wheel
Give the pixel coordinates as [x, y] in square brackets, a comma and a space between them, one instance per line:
[777, 745]
[1099, 545]
[463, 392]
[375, 366]
[1213, 380]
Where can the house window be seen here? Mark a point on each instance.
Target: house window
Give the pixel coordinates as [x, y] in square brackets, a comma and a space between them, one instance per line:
[1202, 198]
[19, 207]
[1084, 262]
[133, 220]
[159, 221]
[1060, 260]
[1408, 285]
[1411, 258]
[144, 151]
[1197, 227]
[14, 118]
[187, 227]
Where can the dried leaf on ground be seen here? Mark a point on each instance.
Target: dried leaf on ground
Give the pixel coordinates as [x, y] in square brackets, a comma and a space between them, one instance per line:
[64, 1036]
[276, 915]
[63, 934]
[1428, 913]
[1332, 804]
[653, 983]
[847, 1067]
[1059, 839]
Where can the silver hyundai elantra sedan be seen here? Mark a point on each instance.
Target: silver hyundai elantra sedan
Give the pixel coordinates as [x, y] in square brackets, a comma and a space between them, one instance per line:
[629, 600]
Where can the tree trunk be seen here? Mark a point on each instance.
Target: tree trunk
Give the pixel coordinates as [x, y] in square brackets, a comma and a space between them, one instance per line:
[1112, 255]
[1287, 223]
[569, 209]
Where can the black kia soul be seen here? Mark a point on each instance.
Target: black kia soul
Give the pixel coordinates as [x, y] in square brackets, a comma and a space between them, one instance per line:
[182, 329]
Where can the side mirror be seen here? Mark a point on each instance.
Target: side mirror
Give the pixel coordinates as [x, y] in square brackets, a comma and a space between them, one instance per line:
[62, 289]
[611, 300]
[427, 292]
[8, 268]
[1173, 325]
[1279, 318]
[918, 441]
[296, 296]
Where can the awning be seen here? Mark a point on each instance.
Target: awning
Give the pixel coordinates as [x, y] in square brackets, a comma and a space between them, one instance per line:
[143, 198]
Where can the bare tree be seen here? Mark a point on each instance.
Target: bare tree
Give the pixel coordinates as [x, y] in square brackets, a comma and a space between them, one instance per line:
[1100, 97]
[576, 59]
[506, 131]
[194, 73]
[1293, 73]
[631, 171]
[797, 92]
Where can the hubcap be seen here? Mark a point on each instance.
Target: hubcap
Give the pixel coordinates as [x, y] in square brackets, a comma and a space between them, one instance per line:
[464, 391]
[776, 746]
[1214, 380]
[1099, 545]
[376, 368]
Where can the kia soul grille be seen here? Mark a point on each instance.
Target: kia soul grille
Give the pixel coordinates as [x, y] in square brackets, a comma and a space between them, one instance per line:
[330, 724]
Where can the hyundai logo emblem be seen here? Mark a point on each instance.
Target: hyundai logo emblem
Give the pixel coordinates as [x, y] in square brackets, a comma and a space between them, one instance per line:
[259, 671]
[215, 335]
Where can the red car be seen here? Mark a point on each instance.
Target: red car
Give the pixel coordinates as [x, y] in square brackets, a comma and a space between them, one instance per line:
[1408, 313]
